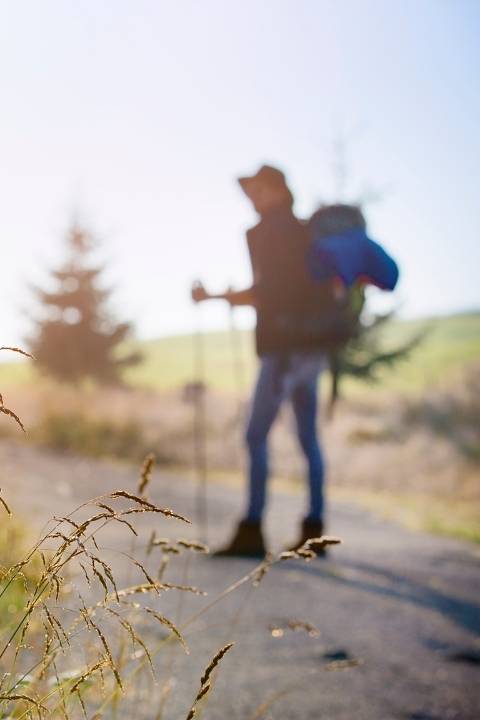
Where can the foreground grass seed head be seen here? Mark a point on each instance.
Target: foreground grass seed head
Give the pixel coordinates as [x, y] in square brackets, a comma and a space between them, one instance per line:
[50, 683]
[75, 545]
[69, 605]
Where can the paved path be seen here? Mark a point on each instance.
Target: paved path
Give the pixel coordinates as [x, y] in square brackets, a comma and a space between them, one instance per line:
[404, 606]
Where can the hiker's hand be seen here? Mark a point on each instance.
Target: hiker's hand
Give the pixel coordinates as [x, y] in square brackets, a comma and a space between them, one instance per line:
[199, 294]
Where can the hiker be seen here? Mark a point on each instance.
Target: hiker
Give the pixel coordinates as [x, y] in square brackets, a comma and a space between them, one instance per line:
[306, 281]
[277, 247]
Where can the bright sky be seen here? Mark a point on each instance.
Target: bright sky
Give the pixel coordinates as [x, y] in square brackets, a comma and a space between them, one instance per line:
[140, 114]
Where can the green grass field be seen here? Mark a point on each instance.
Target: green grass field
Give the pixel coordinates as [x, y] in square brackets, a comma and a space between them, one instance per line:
[450, 344]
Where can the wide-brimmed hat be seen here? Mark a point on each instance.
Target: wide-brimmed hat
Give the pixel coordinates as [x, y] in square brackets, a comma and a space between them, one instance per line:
[267, 175]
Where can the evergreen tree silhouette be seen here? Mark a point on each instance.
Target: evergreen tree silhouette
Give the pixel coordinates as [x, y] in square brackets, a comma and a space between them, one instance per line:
[77, 337]
[365, 355]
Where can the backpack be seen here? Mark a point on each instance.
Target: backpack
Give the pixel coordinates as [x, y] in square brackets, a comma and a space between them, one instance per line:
[340, 289]
[340, 248]
[339, 260]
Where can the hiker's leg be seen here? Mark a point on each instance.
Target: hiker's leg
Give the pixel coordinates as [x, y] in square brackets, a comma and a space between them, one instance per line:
[304, 400]
[265, 405]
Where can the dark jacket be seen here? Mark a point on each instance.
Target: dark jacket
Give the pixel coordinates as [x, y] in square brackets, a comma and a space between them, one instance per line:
[278, 246]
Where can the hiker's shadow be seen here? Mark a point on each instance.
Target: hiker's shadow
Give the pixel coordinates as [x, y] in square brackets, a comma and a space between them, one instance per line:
[375, 579]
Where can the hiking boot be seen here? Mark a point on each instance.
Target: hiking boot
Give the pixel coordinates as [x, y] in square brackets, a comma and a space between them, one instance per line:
[247, 542]
[310, 529]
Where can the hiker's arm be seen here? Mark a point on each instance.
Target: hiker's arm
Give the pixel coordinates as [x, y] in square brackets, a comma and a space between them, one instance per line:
[234, 297]
[241, 297]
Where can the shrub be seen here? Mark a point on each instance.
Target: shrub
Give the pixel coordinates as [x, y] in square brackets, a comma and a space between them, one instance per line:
[95, 437]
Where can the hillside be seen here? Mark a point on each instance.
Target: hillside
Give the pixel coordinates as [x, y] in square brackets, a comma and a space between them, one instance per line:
[450, 343]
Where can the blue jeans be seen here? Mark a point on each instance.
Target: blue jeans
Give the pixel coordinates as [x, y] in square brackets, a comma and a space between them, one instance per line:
[291, 376]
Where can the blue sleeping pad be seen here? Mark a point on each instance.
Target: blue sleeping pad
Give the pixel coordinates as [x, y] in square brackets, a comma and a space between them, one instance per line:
[352, 256]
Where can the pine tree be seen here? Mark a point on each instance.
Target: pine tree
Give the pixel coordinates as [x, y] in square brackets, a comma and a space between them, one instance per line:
[365, 355]
[77, 337]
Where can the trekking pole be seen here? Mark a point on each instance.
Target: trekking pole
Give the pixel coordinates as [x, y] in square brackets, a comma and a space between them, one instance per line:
[237, 359]
[238, 376]
[199, 428]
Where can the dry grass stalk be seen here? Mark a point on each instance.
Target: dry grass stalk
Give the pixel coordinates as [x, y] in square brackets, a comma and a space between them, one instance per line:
[10, 413]
[168, 623]
[151, 540]
[56, 626]
[4, 504]
[61, 689]
[262, 569]
[308, 551]
[145, 573]
[167, 512]
[174, 547]
[170, 550]
[78, 695]
[215, 661]
[162, 568]
[17, 350]
[255, 576]
[143, 588]
[108, 652]
[321, 542]
[193, 545]
[6, 410]
[134, 636]
[23, 698]
[146, 473]
[205, 684]
[116, 516]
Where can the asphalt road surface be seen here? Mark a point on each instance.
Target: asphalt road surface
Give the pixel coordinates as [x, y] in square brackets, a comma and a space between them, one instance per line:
[397, 613]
